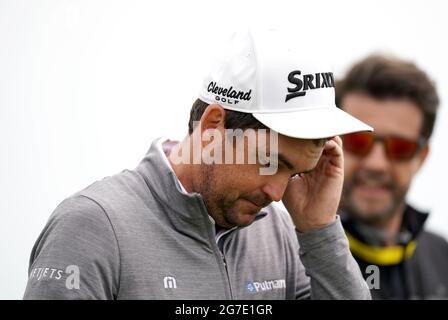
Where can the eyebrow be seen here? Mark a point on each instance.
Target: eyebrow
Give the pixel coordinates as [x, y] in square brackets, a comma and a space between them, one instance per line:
[308, 171]
[285, 161]
[290, 166]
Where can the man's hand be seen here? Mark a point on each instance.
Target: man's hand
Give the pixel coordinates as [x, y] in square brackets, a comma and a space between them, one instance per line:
[312, 200]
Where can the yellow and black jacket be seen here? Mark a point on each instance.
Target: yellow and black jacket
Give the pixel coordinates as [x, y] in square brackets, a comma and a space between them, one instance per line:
[416, 268]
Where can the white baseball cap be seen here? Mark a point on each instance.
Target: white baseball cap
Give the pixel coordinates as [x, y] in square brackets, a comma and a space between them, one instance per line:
[265, 75]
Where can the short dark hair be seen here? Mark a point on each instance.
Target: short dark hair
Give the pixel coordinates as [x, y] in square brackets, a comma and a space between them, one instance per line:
[233, 120]
[384, 77]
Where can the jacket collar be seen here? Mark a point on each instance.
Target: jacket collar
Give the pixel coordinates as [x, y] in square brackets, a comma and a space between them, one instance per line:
[165, 186]
[366, 242]
[411, 226]
[414, 220]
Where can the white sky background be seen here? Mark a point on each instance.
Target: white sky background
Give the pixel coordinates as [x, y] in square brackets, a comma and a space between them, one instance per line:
[85, 86]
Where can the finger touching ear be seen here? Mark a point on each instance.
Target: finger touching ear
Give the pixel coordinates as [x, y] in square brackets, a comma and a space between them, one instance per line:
[337, 139]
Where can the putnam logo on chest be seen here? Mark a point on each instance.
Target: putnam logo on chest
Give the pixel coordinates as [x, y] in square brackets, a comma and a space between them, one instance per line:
[268, 285]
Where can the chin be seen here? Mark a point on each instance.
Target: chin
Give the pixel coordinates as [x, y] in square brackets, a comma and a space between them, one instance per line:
[374, 215]
[244, 224]
[242, 220]
[242, 214]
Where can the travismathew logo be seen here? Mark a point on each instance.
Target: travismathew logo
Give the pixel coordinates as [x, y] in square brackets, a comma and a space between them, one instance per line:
[255, 286]
[228, 95]
[308, 82]
[169, 283]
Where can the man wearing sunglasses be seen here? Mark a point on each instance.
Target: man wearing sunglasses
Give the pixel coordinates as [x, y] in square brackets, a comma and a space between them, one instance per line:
[400, 102]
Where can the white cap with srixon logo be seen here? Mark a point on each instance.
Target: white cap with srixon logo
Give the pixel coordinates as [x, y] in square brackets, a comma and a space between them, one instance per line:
[265, 75]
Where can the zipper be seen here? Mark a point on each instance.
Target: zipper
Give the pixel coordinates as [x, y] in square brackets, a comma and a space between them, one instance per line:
[227, 273]
[222, 263]
[218, 253]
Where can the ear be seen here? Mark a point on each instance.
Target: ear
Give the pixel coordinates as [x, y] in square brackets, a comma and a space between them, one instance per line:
[423, 155]
[213, 118]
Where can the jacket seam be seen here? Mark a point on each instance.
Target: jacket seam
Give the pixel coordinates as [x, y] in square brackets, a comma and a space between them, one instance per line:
[116, 240]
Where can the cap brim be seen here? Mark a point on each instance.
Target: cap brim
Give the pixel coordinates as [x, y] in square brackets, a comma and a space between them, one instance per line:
[312, 123]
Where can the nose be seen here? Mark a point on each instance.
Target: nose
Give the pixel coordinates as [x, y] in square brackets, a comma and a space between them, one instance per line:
[376, 160]
[275, 188]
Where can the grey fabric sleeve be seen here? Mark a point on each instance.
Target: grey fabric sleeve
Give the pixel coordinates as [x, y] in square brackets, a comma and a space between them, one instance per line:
[76, 256]
[333, 272]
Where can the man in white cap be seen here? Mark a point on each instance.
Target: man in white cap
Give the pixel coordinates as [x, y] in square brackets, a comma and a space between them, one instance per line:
[195, 221]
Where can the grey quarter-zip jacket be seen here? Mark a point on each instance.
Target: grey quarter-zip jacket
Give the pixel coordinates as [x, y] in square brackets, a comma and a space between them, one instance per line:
[137, 235]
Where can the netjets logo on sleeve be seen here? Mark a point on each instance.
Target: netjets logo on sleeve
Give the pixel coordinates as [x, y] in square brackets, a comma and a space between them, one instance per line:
[256, 286]
[308, 82]
[71, 275]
